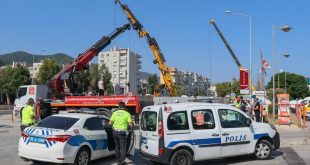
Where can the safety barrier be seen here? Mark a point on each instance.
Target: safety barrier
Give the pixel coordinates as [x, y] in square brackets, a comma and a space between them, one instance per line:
[295, 115]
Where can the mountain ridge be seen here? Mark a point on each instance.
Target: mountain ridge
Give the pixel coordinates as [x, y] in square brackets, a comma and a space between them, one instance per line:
[22, 56]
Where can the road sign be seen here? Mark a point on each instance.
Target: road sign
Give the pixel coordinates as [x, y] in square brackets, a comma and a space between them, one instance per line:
[233, 95]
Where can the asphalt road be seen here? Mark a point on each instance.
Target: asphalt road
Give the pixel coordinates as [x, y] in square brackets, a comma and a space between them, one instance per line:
[10, 133]
[5, 112]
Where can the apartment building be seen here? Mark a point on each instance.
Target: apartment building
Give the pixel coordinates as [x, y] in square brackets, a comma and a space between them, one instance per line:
[34, 69]
[193, 83]
[124, 67]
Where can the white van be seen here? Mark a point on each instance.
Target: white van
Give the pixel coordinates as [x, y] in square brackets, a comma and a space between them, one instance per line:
[182, 133]
[29, 91]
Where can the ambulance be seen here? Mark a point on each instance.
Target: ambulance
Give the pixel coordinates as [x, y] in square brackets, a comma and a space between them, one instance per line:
[182, 133]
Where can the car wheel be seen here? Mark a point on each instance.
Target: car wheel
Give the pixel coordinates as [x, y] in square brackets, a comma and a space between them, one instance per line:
[82, 157]
[181, 157]
[263, 150]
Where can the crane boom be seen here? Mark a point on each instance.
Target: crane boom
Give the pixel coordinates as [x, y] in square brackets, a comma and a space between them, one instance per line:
[226, 44]
[83, 59]
[159, 57]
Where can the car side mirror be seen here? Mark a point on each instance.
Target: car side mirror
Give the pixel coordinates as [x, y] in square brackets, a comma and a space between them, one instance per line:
[248, 122]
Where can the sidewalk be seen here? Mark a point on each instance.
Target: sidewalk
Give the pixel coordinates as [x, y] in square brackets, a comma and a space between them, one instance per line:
[295, 143]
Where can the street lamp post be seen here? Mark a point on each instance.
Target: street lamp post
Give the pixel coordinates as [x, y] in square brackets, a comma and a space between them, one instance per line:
[285, 28]
[286, 55]
[250, 42]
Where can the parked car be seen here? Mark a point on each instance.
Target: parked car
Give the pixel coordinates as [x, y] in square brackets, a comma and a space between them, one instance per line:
[186, 132]
[306, 111]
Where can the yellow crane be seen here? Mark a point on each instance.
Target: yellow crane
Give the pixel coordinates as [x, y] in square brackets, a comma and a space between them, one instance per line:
[159, 57]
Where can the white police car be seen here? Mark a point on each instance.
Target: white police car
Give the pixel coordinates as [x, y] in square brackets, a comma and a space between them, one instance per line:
[185, 132]
[70, 138]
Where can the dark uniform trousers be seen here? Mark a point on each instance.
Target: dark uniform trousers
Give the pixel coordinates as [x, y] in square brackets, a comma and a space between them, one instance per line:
[120, 138]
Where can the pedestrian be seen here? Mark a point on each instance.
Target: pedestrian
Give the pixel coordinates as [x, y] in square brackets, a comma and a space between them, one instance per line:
[257, 110]
[37, 108]
[237, 104]
[243, 104]
[27, 115]
[264, 115]
[120, 120]
[101, 88]
[248, 108]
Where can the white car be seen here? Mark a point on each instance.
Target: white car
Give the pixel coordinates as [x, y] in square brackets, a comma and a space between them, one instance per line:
[70, 138]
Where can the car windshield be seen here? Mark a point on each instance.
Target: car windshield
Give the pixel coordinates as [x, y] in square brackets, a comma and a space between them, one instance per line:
[57, 122]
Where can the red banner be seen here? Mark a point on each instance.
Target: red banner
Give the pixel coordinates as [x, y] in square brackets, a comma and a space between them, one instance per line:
[104, 100]
[244, 82]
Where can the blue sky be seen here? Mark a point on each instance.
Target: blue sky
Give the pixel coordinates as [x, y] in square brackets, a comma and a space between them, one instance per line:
[181, 28]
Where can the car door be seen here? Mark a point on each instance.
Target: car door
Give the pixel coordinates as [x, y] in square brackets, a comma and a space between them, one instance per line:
[104, 115]
[236, 136]
[149, 138]
[96, 136]
[205, 132]
[176, 128]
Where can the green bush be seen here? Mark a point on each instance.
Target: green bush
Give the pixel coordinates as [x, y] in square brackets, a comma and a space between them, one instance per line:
[270, 109]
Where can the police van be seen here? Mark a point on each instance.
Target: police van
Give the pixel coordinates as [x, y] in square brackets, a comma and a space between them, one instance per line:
[182, 133]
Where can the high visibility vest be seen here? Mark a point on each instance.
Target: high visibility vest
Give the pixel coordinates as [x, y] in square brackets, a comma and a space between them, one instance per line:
[27, 113]
[238, 104]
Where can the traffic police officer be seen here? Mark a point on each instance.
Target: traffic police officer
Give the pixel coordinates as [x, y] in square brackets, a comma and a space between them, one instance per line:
[28, 115]
[120, 120]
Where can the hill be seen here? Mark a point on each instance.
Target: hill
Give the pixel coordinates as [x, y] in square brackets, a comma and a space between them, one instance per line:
[22, 56]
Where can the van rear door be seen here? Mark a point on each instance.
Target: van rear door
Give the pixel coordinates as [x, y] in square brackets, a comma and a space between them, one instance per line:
[149, 142]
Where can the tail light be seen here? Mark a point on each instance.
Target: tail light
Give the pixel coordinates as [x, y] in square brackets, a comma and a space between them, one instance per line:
[59, 138]
[160, 129]
[161, 151]
[24, 134]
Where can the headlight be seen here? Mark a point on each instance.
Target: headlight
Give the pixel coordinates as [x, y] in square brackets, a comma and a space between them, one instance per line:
[273, 127]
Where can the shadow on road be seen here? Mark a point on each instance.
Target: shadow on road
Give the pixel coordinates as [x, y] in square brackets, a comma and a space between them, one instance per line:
[131, 160]
[6, 126]
[249, 159]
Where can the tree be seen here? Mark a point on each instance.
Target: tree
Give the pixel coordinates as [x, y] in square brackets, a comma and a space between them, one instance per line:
[106, 76]
[226, 88]
[47, 71]
[296, 85]
[152, 81]
[1, 63]
[96, 73]
[94, 77]
[12, 78]
[179, 90]
[84, 76]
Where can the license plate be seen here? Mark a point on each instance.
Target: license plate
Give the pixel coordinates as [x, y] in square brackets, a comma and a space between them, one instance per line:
[37, 140]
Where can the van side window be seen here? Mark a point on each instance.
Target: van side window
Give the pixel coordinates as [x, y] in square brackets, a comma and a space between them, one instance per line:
[203, 119]
[177, 121]
[231, 118]
[149, 121]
